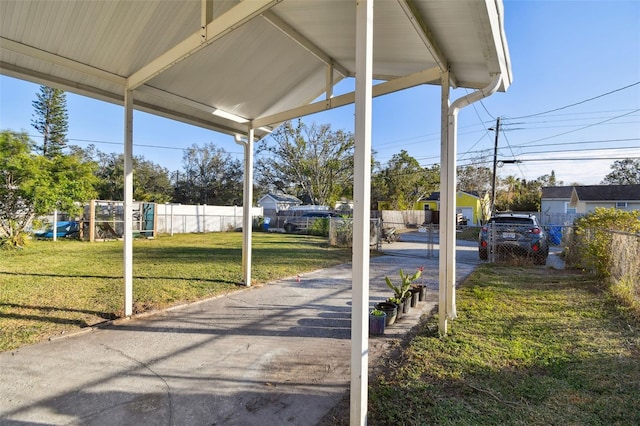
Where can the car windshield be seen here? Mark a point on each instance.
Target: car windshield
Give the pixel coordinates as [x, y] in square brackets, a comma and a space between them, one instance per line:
[516, 220]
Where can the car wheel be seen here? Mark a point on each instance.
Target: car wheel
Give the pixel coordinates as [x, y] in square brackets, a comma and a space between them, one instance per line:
[482, 254]
[289, 227]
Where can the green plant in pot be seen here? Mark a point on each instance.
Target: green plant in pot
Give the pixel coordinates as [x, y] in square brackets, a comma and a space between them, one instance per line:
[422, 288]
[377, 319]
[403, 290]
[398, 303]
[391, 309]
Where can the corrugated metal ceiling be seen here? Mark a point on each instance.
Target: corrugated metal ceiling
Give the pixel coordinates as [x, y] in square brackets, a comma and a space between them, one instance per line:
[273, 61]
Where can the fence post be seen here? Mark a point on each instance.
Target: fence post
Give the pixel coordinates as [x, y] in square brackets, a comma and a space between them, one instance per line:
[55, 225]
[492, 242]
[171, 231]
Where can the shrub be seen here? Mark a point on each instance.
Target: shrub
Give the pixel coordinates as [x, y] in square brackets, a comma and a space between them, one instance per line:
[594, 237]
[319, 227]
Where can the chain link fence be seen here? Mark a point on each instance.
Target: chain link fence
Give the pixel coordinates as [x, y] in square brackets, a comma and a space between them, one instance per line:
[612, 254]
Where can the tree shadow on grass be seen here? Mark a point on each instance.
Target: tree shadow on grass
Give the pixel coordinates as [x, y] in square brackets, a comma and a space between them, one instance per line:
[120, 277]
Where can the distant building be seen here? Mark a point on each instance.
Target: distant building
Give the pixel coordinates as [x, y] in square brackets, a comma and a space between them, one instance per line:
[278, 202]
[556, 199]
[562, 204]
[473, 207]
[586, 198]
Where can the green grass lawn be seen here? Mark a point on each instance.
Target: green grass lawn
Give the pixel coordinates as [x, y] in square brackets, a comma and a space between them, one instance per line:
[531, 346]
[53, 288]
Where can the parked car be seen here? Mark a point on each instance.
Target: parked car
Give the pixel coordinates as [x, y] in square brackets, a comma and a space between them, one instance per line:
[63, 230]
[301, 223]
[516, 234]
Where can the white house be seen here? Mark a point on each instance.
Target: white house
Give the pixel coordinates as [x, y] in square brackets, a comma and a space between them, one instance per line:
[560, 204]
[586, 198]
[555, 203]
[278, 202]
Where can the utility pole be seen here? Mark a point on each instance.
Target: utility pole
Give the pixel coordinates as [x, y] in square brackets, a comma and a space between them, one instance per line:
[495, 165]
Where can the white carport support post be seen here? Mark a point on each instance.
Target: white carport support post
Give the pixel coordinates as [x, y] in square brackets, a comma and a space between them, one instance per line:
[247, 219]
[447, 289]
[55, 225]
[128, 203]
[447, 262]
[361, 214]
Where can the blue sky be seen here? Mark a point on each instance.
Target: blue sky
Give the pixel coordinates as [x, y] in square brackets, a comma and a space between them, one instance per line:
[562, 53]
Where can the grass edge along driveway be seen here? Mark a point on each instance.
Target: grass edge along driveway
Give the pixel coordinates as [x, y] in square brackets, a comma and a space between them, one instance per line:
[52, 288]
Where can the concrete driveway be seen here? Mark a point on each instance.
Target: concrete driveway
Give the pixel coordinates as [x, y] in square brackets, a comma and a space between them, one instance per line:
[277, 354]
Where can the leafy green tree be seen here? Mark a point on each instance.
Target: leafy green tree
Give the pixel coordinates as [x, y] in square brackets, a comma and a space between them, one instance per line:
[477, 180]
[32, 185]
[519, 195]
[51, 121]
[314, 163]
[516, 194]
[474, 179]
[210, 176]
[506, 192]
[150, 181]
[623, 172]
[403, 182]
[550, 180]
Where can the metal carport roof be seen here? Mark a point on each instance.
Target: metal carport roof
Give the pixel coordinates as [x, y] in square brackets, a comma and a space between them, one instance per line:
[242, 67]
[191, 60]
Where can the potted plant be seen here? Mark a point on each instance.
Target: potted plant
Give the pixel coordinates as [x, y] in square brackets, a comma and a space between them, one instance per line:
[398, 303]
[391, 309]
[422, 295]
[377, 319]
[414, 296]
[402, 291]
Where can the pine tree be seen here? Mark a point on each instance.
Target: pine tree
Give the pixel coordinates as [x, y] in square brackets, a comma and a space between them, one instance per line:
[51, 121]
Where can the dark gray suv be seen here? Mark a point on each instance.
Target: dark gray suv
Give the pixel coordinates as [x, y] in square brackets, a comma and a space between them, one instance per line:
[301, 223]
[515, 234]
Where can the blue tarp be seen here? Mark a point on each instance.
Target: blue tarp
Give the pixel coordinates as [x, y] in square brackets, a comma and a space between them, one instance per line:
[64, 229]
[555, 234]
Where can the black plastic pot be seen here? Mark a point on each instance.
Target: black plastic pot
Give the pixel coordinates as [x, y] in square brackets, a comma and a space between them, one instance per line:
[423, 292]
[391, 309]
[376, 324]
[406, 305]
[415, 295]
[398, 309]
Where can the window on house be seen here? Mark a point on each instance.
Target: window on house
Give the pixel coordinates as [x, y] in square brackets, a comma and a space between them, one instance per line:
[621, 204]
[570, 210]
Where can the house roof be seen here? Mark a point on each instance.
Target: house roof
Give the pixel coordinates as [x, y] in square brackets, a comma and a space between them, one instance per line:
[558, 192]
[226, 65]
[435, 196]
[608, 192]
[283, 198]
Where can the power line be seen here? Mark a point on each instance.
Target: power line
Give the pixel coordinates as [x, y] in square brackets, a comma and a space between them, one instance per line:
[486, 151]
[578, 103]
[563, 118]
[582, 128]
[511, 149]
[576, 159]
[534, 126]
[576, 150]
[581, 142]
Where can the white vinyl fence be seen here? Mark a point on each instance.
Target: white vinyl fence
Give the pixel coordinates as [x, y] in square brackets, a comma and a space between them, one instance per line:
[182, 219]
